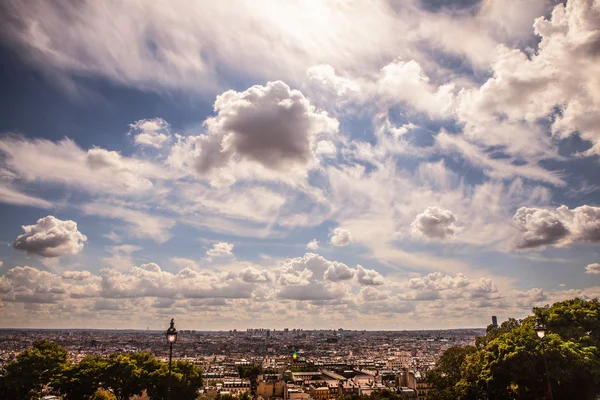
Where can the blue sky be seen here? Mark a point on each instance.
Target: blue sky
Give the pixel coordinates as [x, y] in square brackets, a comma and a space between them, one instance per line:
[319, 164]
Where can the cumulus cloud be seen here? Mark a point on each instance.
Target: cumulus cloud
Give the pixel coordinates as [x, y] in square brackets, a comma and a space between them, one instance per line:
[369, 293]
[368, 276]
[76, 275]
[406, 82]
[437, 285]
[338, 272]
[313, 245]
[30, 285]
[435, 223]
[149, 280]
[253, 275]
[272, 126]
[325, 77]
[302, 270]
[561, 227]
[341, 237]
[592, 268]
[323, 279]
[289, 276]
[251, 292]
[326, 148]
[220, 249]
[526, 88]
[150, 132]
[51, 237]
[315, 291]
[539, 227]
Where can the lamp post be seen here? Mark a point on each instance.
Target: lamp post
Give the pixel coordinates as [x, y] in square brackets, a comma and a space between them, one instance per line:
[171, 338]
[540, 329]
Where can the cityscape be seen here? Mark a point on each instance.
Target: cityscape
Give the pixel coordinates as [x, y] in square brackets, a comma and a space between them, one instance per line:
[293, 363]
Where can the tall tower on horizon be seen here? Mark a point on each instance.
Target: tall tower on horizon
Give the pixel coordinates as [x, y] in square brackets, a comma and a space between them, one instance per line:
[494, 321]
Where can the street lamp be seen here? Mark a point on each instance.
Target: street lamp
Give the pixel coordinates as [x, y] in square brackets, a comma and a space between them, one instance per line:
[540, 329]
[171, 338]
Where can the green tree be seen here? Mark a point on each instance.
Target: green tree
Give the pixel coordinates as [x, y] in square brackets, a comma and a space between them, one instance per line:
[102, 394]
[35, 369]
[447, 372]
[509, 360]
[82, 380]
[123, 376]
[186, 380]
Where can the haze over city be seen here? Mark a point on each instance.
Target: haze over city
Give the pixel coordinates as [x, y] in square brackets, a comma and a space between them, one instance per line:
[383, 165]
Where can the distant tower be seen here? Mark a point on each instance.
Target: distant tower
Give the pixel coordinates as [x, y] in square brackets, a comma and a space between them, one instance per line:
[494, 321]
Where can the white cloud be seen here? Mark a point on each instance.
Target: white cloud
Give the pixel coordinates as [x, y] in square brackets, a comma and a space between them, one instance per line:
[370, 293]
[407, 83]
[526, 88]
[592, 268]
[291, 277]
[29, 285]
[143, 224]
[439, 286]
[149, 280]
[63, 162]
[120, 257]
[292, 38]
[315, 291]
[313, 245]
[368, 276]
[495, 168]
[326, 148]
[253, 275]
[220, 249]
[271, 127]
[10, 195]
[319, 273]
[51, 237]
[113, 237]
[150, 132]
[76, 275]
[251, 293]
[561, 227]
[337, 272]
[435, 223]
[325, 76]
[183, 262]
[340, 237]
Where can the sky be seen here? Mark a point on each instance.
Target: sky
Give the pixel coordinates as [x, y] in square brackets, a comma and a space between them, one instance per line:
[317, 164]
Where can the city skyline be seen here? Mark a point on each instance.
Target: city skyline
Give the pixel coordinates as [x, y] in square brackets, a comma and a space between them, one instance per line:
[328, 164]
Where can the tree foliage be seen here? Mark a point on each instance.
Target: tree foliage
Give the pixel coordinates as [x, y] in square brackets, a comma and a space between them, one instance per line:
[508, 362]
[34, 369]
[46, 369]
[102, 394]
[448, 372]
[186, 379]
